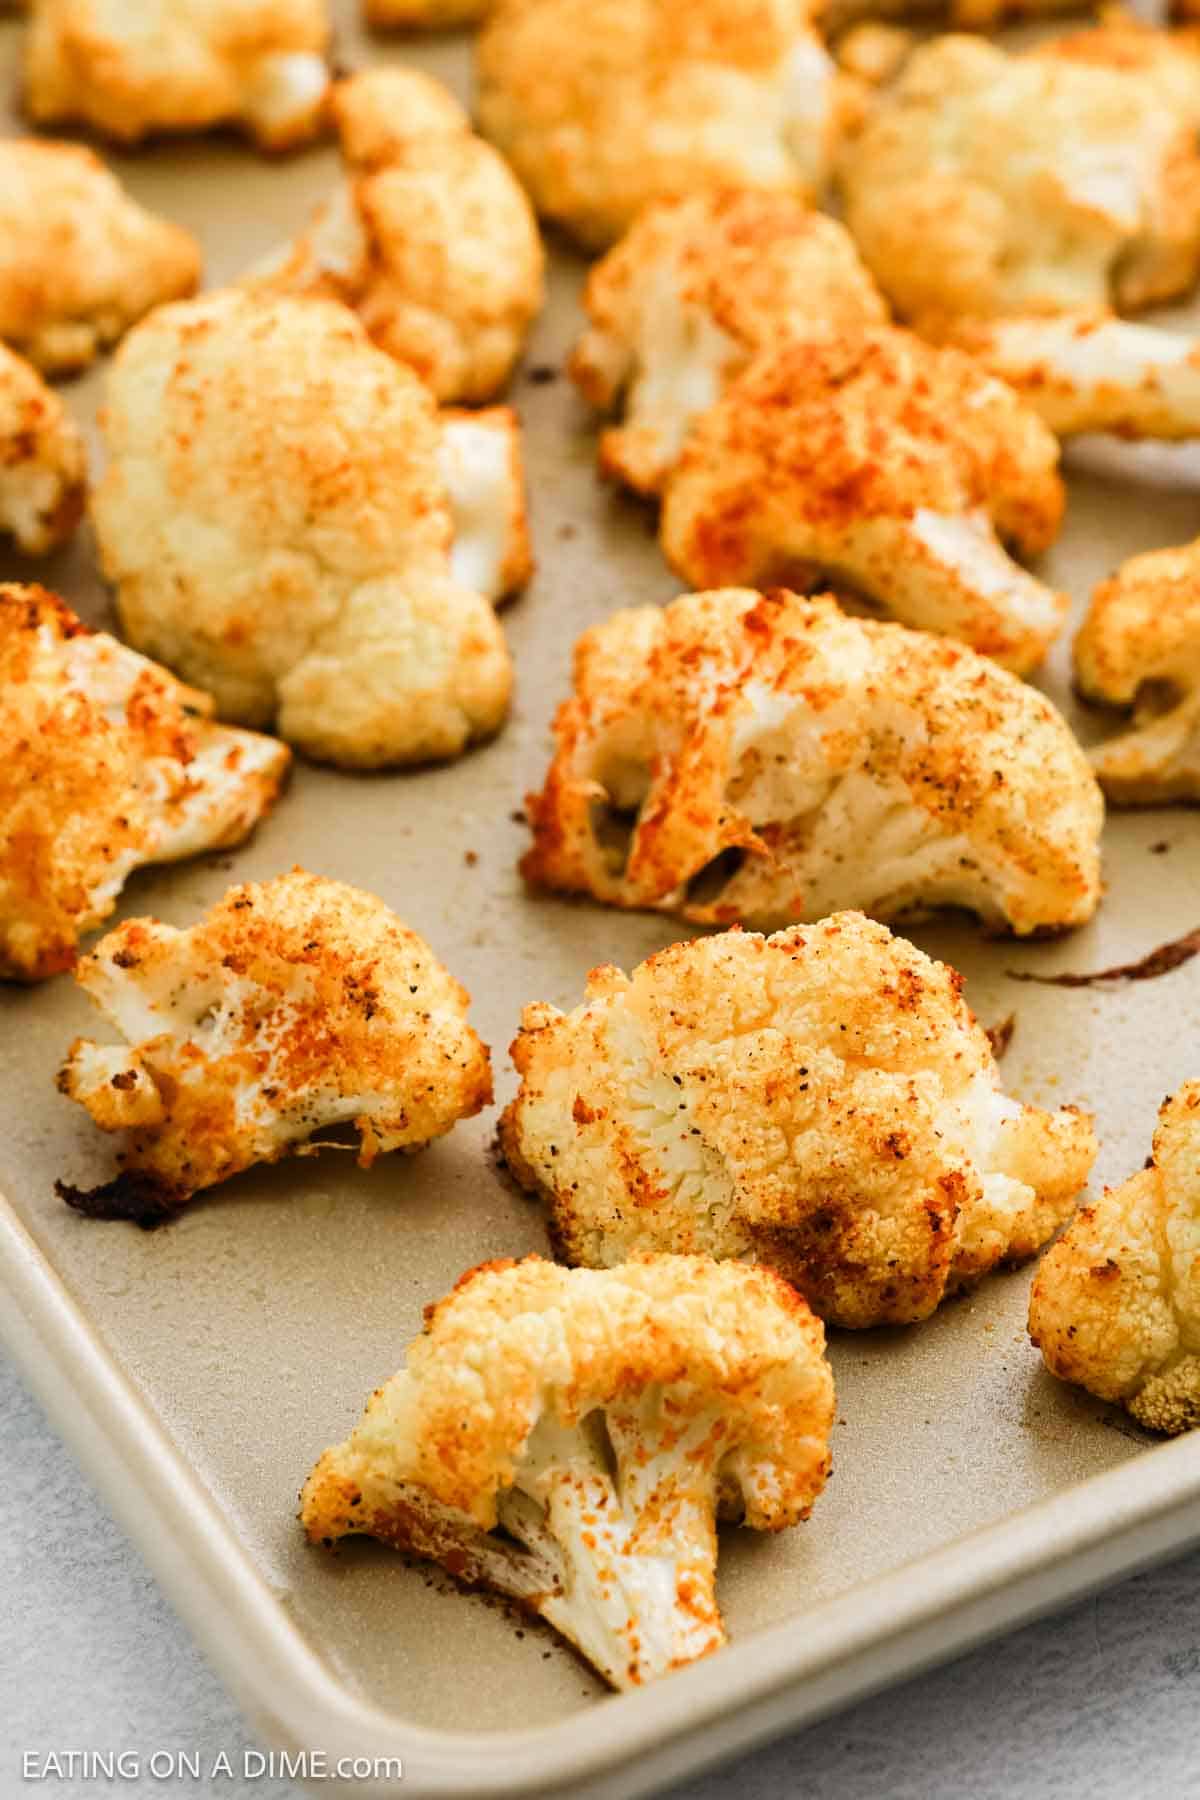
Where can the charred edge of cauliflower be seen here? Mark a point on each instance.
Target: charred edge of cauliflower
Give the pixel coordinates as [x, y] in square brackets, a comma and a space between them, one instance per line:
[43, 463]
[295, 1005]
[821, 1101]
[1139, 649]
[569, 1438]
[1115, 1306]
[748, 758]
[106, 763]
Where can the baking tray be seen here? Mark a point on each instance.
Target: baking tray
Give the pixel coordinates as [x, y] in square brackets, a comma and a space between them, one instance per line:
[199, 1370]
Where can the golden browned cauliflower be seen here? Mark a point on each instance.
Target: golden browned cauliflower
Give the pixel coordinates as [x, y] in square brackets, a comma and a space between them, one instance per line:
[604, 105]
[693, 291]
[985, 184]
[1115, 1305]
[753, 758]
[293, 1006]
[79, 260]
[106, 763]
[838, 16]
[429, 237]
[571, 1437]
[1139, 648]
[131, 68]
[822, 1101]
[881, 465]
[43, 464]
[278, 520]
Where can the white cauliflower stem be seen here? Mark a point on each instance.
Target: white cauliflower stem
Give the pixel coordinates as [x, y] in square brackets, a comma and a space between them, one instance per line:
[1116, 1303]
[821, 1101]
[43, 464]
[278, 517]
[602, 1421]
[293, 1006]
[106, 763]
[753, 758]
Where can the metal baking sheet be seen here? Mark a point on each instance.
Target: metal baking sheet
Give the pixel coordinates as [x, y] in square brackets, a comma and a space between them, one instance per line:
[199, 1370]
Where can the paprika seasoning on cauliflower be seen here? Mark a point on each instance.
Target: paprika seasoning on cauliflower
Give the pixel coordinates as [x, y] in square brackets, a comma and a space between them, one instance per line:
[43, 463]
[695, 288]
[1115, 1305]
[130, 68]
[873, 459]
[107, 763]
[1139, 649]
[80, 261]
[278, 516]
[570, 1437]
[293, 1005]
[745, 758]
[429, 237]
[821, 1101]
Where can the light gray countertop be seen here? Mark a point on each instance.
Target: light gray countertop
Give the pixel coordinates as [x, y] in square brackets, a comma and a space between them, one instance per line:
[1102, 1701]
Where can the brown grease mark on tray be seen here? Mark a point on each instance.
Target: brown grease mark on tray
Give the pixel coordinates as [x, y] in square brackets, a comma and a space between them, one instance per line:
[1157, 962]
[139, 1198]
[1001, 1036]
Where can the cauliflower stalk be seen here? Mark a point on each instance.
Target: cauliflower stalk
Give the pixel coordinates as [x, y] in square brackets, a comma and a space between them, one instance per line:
[131, 68]
[278, 517]
[1115, 1305]
[1139, 649]
[692, 292]
[106, 763]
[429, 238]
[821, 1101]
[753, 758]
[80, 261]
[879, 465]
[43, 463]
[293, 1006]
[599, 1421]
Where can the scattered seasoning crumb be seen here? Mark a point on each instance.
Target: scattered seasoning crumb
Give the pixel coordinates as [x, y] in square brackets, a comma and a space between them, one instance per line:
[568, 531]
[541, 375]
[471, 857]
[518, 816]
[1158, 962]
[1161, 848]
[1001, 1036]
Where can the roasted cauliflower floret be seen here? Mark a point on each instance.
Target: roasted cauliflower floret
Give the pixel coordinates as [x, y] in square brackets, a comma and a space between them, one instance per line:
[429, 237]
[79, 260]
[693, 291]
[278, 521]
[882, 466]
[1115, 1305]
[1139, 649]
[604, 105]
[106, 763]
[822, 1101]
[570, 1437]
[292, 1006]
[984, 184]
[131, 68]
[43, 464]
[758, 759]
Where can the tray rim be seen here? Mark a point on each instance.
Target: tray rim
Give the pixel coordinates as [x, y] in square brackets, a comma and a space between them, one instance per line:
[892, 1627]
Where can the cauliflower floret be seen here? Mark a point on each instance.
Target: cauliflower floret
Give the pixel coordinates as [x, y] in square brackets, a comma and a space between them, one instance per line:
[130, 68]
[601, 1421]
[106, 763]
[984, 184]
[1115, 1306]
[277, 521]
[694, 290]
[79, 260]
[294, 1005]
[1139, 648]
[43, 464]
[822, 1101]
[604, 105]
[758, 759]
[838, 16]
[429, 238]
[877, 464]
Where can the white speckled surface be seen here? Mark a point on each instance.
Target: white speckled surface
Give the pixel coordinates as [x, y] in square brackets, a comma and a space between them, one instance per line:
[1101, 1701]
